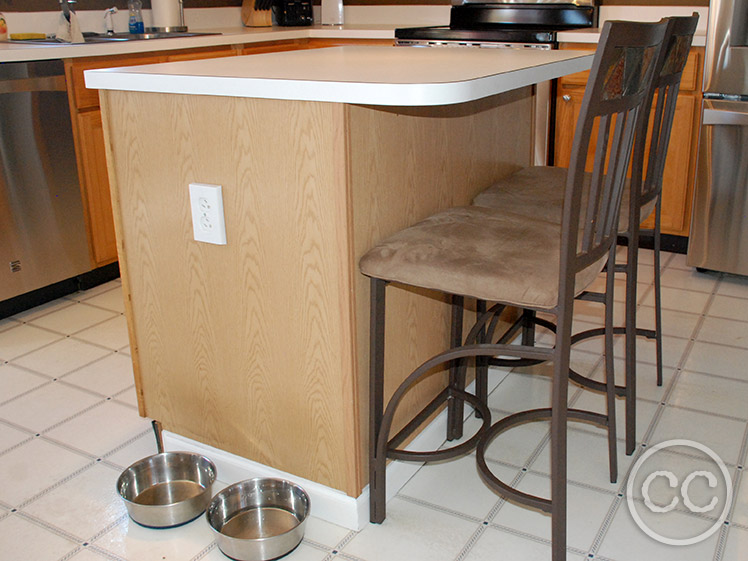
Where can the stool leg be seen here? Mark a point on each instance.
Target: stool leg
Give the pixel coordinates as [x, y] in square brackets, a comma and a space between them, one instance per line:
[630, 342]
[559, 415]
[481, 362]
[528, 327]
[610, 381]
[657, 295]
[456, 406]
[377, 459]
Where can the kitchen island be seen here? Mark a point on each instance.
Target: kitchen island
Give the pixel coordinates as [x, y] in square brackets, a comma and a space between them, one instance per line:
[259, 348]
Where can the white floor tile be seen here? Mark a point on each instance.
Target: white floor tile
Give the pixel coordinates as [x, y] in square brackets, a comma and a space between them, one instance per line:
[111, 300]
[729, 307]
[21, 339]
[672, 350]
[46, 406]
[412, 533]
[71, 319]
[10, 437]
[674, 323]
[516, 445]
[136, 543]
[304, 552]
[43, 309]
[88, 554]
[495, 545]
[139, 448]
[625, 541]
[522, 391]
[717, 359]
[588, 507]
[324, 533]
[128, 397]
[84, 295]
[111, 334]
[733, 285]
[740, 506]
[688, 279]
[83, 506]
[466, 493]
[737, 545]
[107, 376]
[725, 331]
[101, 429]
[33, 467]
[679, 300]
[21, 539]
[587, 459]
[711, 394]
[724, 436]
[14, 381]
[61, 357]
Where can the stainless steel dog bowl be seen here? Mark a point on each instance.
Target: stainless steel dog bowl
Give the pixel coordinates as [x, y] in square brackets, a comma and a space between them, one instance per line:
[167, 489]
[259, 519]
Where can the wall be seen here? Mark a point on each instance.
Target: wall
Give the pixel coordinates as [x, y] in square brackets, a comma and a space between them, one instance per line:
[48, 5]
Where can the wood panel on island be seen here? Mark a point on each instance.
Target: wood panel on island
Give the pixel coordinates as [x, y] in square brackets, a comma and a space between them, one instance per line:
[89, 136]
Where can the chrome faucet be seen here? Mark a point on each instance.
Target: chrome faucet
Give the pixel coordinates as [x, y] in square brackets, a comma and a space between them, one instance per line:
[108, 22]
[67, 6]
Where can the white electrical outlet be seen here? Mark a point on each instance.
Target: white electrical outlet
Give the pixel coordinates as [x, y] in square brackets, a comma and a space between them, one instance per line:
[206, 202]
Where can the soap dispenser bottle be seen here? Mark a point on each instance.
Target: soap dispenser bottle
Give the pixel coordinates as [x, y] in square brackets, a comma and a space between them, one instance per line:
[136, 16]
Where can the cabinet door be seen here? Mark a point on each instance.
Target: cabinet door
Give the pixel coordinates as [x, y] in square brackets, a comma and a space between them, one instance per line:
[98, 202]
[677, 183]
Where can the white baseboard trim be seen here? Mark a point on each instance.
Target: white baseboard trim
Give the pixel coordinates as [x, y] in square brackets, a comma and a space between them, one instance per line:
[328, 504]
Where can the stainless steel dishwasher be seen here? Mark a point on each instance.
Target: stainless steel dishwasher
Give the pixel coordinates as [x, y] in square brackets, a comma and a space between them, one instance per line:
[42, 230]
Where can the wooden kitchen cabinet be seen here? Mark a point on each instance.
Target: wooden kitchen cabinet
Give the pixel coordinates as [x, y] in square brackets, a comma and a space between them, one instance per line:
[679, 171]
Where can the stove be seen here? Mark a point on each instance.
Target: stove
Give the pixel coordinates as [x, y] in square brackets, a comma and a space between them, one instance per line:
[503, 23]
[513, 24]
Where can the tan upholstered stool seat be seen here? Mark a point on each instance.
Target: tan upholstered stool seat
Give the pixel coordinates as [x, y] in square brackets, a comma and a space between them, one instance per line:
[490, 254]
[539, 192]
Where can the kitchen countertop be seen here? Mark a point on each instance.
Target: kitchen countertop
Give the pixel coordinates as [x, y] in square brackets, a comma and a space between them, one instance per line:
[19, 51]
[374, 75]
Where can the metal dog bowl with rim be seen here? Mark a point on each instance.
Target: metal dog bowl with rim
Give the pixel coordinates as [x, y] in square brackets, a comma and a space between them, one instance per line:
[167, 489]
[259, 519]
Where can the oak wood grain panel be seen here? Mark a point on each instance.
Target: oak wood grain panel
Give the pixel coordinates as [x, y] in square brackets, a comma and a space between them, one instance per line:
[246, 346]
[406, 164]
[98, 202]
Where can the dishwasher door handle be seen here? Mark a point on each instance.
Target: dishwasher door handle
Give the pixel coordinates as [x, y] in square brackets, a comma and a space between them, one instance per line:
[37, 84]
[728, 114]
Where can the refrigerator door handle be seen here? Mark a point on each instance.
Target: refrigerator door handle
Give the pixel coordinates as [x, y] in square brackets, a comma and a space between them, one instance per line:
[732, 116]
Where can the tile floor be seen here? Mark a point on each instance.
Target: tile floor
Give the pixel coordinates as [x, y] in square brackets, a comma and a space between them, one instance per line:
[69, 425]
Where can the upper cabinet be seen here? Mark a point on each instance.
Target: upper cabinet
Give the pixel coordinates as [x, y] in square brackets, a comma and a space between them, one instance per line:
[680, 167]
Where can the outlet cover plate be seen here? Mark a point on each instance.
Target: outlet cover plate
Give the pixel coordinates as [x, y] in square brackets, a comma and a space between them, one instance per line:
[206, 204]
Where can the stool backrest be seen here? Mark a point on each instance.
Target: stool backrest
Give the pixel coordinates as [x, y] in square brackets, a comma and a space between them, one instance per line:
[666, 83]
[613, 103]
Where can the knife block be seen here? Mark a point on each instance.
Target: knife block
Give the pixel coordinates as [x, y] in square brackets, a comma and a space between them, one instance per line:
[255, 18]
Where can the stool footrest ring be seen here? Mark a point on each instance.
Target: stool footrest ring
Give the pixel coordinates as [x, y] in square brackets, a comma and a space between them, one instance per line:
[513, 420]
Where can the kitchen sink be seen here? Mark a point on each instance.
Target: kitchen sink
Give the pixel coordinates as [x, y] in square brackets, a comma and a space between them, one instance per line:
[117, 37]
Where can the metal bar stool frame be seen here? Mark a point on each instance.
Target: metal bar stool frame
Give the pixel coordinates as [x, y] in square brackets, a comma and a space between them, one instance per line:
[622, 72]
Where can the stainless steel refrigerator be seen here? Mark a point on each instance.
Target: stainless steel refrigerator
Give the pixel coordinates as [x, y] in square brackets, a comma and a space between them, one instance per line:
[719, 226]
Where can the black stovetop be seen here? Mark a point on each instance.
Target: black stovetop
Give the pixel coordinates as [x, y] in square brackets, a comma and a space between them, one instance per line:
[511, 23]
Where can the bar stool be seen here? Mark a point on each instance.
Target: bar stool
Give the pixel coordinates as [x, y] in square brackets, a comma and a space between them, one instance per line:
[538, 191]
[500, 256]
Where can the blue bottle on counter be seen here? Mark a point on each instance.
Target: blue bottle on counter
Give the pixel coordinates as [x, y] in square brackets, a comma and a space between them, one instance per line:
[136, 16]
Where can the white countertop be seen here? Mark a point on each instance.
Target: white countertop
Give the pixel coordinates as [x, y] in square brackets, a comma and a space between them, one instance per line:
[370, 75]
[19, 51]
